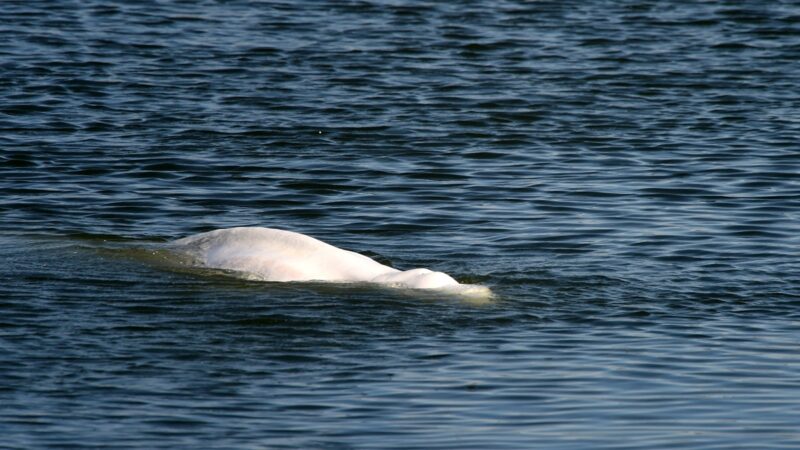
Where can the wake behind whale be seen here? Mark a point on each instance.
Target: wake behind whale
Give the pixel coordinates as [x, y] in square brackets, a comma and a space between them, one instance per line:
[270, 254]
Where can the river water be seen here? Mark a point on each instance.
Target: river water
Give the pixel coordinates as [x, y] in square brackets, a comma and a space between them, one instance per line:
[624, 176]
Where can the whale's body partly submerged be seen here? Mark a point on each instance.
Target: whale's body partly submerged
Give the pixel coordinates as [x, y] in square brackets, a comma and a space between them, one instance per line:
[270, 254]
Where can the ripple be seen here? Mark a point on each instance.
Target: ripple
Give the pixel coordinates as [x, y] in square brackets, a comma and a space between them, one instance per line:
[623, 175]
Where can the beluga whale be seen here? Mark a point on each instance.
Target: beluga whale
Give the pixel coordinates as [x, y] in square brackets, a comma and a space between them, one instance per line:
[269, 254]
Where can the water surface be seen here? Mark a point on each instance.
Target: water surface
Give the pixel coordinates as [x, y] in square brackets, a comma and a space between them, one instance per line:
[624, 175]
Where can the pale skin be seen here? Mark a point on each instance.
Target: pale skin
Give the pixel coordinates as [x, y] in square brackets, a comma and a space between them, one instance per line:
[279, 255]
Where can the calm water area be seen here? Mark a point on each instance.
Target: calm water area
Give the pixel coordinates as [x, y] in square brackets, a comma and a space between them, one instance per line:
[624, 175]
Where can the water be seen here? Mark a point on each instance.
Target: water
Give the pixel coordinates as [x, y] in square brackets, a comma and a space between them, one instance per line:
[625, 176]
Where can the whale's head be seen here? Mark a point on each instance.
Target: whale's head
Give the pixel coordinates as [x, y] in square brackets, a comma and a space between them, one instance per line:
[438, 281]
[417, 278]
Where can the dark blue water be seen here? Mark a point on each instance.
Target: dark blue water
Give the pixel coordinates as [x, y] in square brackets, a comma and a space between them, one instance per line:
[624, 175]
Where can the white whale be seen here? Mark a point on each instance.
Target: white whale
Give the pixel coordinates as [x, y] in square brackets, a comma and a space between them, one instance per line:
[269, 254]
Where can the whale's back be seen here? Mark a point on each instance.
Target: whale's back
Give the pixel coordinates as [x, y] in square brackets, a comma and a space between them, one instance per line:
[270, 254]
[279, 255]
